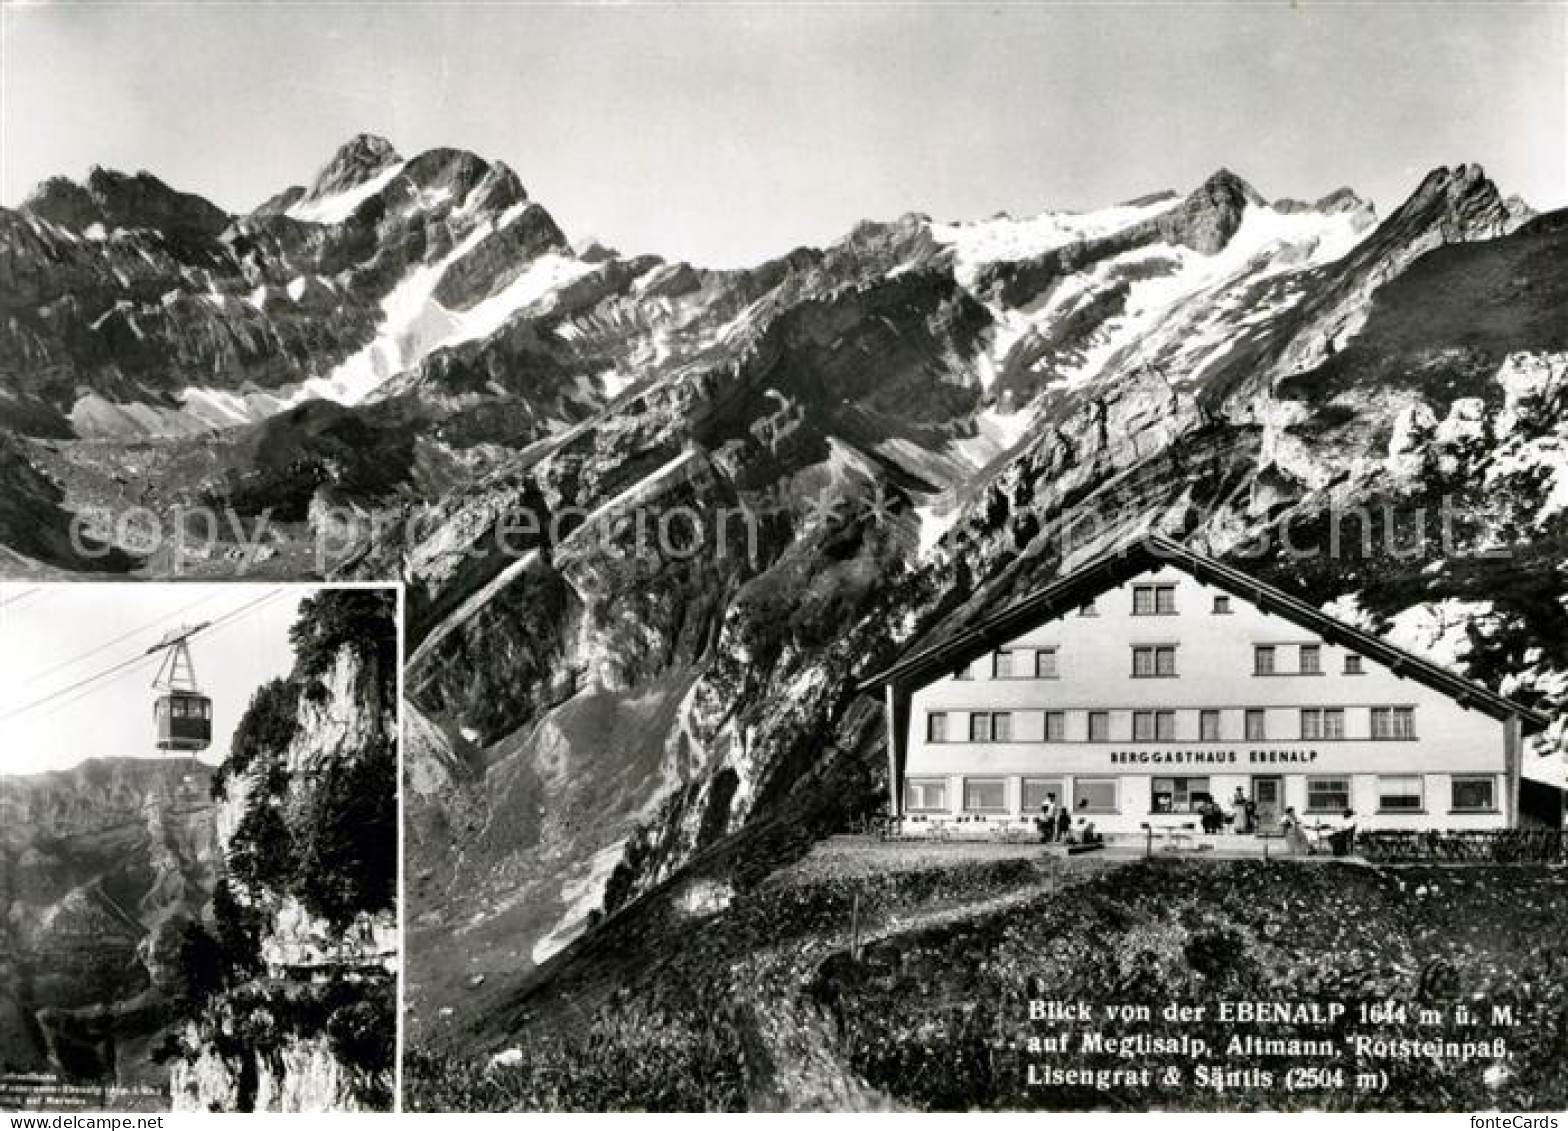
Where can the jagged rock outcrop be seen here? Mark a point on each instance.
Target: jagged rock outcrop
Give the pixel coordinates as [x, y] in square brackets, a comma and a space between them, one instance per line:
[112, 200]
[300, 1015]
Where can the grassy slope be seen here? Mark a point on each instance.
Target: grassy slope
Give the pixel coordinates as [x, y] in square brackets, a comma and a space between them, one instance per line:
[1444, 325]
[600, 756]
[760, 1006]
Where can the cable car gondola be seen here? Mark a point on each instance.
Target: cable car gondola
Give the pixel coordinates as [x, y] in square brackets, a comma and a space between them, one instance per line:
[182, 715]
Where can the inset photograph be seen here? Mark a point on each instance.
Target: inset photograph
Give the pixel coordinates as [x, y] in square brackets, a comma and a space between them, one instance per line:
[198, 847]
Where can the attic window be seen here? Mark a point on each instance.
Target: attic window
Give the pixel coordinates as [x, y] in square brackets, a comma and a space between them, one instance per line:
[1087, 609]
[1353, 665]
[1222, 604]
[1153, 600]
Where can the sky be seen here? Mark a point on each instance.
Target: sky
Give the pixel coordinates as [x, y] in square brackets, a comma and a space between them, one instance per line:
[724, 134]
[54, 636]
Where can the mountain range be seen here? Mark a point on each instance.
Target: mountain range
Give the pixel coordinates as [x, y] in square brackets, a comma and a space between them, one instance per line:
[101, 867]
[918, 423]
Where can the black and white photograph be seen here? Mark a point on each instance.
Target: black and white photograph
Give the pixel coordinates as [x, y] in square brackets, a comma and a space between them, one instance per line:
[950, 556]
[198, 847]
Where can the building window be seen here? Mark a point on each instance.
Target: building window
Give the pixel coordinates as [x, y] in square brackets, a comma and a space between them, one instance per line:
[1222, 604]
[985, 795]
[1099, 726]
[1056, 726]
[1311, 659]
[1328, 795]
[1037, 791]
[1153, 726]
[991, 726]
[924, 795]
[1153, 600]
[1257, 730]
[1179, 795]
[1263, 659]
[1401, 793]
[936, 726]
[1151, 661]
[1045, 664]
[1002, 665]
[1087, 609]
[1393, 722]
[1474, 794]
[1209, 726]
[963, 673]
[1096, 795]
[1353, 665]
[1323, 722]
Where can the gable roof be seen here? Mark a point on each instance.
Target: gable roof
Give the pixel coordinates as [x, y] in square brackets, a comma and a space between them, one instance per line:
[1146, 551]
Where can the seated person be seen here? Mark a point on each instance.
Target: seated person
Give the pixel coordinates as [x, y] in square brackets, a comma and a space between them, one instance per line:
[1342, 838]
[1086, 833]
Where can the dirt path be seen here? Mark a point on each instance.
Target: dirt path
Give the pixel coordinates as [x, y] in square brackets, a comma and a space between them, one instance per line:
[798, 1037]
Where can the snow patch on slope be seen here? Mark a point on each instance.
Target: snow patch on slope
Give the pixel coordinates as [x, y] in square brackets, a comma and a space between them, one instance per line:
[223, 409]
[583, 894]
[544, 275]
[1187, 317]
[1543, 458]
[415, 325]
[998, 432]
[1439, 630]
[1004, 239]
[339, 206]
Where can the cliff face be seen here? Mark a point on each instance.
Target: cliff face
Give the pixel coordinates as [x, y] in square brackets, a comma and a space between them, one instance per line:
[295, 1006]
[101, 868]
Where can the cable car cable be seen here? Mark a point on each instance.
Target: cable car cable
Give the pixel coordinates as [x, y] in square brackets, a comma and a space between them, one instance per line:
[80, 695]
[123, 636]
[220, 623]
[133, 661]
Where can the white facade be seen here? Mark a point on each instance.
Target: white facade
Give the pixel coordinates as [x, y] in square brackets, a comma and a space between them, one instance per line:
[1167, 671]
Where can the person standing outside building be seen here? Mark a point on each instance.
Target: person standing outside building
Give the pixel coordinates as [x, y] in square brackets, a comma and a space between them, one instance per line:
[1241, 807]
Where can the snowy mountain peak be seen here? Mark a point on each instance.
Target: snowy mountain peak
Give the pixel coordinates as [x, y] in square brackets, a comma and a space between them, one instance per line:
[1211, 213]
[1223, 183]
[1341, 200]
[355, 162]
